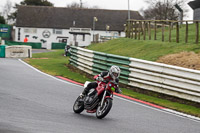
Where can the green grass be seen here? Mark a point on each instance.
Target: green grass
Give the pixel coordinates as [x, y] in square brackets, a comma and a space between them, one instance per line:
[182, 34]
[146, 50]
[150, 49]
[56, 65]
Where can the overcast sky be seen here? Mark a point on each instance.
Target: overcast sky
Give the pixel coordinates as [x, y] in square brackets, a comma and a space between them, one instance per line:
[104, 4]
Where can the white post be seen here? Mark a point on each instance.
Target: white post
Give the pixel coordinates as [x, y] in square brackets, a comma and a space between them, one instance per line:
[128, 10]
[94, 20]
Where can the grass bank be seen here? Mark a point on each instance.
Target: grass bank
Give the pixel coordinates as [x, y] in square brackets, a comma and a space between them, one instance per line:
[55, 63]
[147, 50]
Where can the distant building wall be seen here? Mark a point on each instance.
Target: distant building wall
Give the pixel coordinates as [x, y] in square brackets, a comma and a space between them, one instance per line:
[46, 36]
[197, 14]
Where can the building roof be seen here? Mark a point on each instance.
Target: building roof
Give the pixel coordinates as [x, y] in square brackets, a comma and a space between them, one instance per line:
[63, 18]
[194, 4]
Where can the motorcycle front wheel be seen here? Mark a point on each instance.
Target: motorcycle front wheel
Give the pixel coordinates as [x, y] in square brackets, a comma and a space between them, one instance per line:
[104, 110]
[78, 105]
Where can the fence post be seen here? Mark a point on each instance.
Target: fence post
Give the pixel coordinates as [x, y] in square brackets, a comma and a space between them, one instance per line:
[163, 31]
[128, 29]
[155, 28]
[140, 29]
[177, 32]
[135, 30]
[170, 31]
[186, 33]
[197, 32]
[144, 31]
[131, 29]
[149, 30]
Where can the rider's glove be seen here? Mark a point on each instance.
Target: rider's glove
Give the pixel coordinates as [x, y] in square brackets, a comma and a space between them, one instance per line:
[118, 90]
[99, 78]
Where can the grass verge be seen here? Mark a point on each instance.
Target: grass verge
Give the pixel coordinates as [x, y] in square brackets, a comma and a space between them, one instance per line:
[54, 63]
[149, 50]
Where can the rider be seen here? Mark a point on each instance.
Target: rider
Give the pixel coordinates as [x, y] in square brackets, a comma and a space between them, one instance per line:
[112, 74]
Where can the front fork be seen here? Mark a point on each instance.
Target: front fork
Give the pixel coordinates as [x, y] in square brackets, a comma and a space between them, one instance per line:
[103, 98]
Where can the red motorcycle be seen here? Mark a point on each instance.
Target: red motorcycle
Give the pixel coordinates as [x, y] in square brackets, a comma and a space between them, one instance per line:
[98, 100]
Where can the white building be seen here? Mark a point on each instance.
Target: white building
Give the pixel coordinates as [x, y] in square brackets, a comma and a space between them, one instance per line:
[74, 26]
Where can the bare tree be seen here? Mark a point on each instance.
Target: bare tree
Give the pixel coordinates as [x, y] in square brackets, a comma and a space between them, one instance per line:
[74, 5]
[12, 17]
[81, 5]
[95, 7]
[7, 10]
[163, 9]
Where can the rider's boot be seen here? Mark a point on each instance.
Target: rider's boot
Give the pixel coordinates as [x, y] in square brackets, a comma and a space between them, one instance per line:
[85, 92]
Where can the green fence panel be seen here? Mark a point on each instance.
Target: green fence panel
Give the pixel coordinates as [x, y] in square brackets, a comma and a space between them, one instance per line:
[99, 56]
[73, 62]
[58, 45]
[107, 60]
[33, 44]
[2, 51]
[73, 49]
[100, 67]
[5, 31]
[118, 59]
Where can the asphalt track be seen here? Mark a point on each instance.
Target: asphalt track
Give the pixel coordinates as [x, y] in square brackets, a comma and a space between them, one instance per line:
[33, 102]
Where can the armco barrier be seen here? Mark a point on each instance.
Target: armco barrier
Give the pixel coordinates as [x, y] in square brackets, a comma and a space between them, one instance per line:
[58, 45]
[34, 45]
[82, 59]
[96, 62]
[176, 81]
[171, 80]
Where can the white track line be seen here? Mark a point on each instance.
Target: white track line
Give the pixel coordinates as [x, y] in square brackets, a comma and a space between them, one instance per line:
[47, 74]
[168, 111]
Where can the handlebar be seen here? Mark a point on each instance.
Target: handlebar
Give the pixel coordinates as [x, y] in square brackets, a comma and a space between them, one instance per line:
[105, 81]
[114, 82]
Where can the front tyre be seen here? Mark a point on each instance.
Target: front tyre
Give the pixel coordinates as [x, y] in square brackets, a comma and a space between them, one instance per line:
[78, 105]
[103, 111]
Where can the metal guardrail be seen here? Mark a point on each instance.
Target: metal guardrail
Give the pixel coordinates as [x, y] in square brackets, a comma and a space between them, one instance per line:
[171, 80]
[176, 81]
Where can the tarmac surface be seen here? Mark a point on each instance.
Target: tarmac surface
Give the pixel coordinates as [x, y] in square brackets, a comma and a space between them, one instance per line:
[34, 102]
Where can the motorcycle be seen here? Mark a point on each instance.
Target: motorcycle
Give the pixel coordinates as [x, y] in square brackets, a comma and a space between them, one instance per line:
[98, 100]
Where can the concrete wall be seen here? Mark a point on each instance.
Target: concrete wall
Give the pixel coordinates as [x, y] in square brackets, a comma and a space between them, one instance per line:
[197, 14]
[18, 51]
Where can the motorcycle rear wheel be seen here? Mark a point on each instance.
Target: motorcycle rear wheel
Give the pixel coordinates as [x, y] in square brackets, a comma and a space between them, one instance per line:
[78, 106]
[103, 111]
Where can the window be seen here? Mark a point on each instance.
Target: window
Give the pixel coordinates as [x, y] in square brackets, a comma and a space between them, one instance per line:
[30, 30]
[57, 31]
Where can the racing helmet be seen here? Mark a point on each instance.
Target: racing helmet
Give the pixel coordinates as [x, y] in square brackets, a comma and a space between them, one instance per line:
[114, 72]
